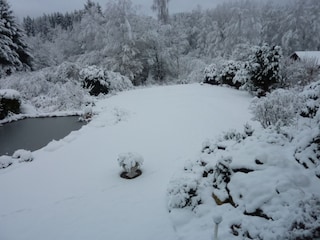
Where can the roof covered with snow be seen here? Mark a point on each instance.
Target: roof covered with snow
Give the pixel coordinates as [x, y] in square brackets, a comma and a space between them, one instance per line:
[307, 55]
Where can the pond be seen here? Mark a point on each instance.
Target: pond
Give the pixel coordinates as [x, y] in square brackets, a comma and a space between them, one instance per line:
[35, 133]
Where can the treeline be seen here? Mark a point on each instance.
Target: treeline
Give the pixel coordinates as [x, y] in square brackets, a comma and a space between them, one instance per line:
[141, 47]
[48, 22]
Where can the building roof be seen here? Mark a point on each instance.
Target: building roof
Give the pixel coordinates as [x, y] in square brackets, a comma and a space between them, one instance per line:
[307, 55]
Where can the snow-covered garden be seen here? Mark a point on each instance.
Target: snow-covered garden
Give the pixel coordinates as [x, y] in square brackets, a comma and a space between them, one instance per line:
[165, 154]
[263, 182]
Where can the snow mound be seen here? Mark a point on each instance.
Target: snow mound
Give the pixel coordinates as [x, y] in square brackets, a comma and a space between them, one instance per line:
[23, 155]
[9, 94]
[5, 161]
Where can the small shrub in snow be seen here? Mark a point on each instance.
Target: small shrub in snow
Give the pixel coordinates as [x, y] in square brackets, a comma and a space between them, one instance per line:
[131, 163]
[311, 100]
[278, 108]
[227, 73]
[23, 155]
[183, 193]
[248, 130]
[306, 224]
[232, 135]
[99, 80]
[87, 114]
[222, 173]
[211, 75]
[94, 79]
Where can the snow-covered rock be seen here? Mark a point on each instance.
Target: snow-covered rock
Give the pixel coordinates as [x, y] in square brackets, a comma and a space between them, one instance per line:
[23, 155]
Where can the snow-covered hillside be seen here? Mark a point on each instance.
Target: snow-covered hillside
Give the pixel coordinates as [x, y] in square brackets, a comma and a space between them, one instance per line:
[72, 189]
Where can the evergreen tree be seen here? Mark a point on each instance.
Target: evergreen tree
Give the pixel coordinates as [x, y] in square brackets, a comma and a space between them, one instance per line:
[14, 52]
[264, 68]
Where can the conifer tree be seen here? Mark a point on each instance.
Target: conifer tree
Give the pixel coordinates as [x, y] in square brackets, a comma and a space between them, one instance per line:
[14, 52]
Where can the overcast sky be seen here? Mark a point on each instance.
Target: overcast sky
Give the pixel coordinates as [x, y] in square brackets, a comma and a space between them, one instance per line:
[36, 8]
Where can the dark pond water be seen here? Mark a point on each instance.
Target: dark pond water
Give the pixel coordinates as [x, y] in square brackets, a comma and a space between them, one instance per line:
[35, 133]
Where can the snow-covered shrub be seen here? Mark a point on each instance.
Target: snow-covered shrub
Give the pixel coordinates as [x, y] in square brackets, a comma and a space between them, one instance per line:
[23, 155]
[227, 73]
[211, 75]
[183, 193]
[311, 100]
[278, 108]
[222, 173]
[232, 134]
[94, 79]
[264, 69]
[9, 102]
[131, 163]
[99, 80]
[248, 130]
[117, 82]
[230, 72]
[50, 89]
[5, 161]
[306, 220]
[66, 71]
[242, 76]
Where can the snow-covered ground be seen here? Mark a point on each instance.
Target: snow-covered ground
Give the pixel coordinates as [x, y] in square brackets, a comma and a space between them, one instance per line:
[72, 189]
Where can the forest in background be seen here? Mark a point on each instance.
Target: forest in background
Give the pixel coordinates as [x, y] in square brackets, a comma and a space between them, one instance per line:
[54, 60]
[119, 39]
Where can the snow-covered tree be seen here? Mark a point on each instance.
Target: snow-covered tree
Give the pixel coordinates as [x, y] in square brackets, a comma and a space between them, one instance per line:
[122, 47]
[162, 8]
[14, 52]
[264, 68]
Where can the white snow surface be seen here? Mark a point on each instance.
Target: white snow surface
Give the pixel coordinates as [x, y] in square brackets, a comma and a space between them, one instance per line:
[72, 188]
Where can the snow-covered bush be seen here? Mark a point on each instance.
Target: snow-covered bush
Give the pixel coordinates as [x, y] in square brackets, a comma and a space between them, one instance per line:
[230, 72]
[264, 69]
[211, 75]
[9, 102]
[242, 76]
[50, 89]
[306, 220]
[248, 130]
[94, 79]
[311, 100]
[183, 193]
[117, 82]
[99, 80]
[227, 73]
[278, 108]
[23, 155]
[269, 192]
[131, 164]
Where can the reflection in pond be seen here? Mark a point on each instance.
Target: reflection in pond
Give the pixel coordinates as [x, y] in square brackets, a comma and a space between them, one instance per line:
[35, 133]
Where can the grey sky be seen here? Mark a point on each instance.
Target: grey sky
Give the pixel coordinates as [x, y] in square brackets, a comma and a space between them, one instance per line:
[35, 8]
